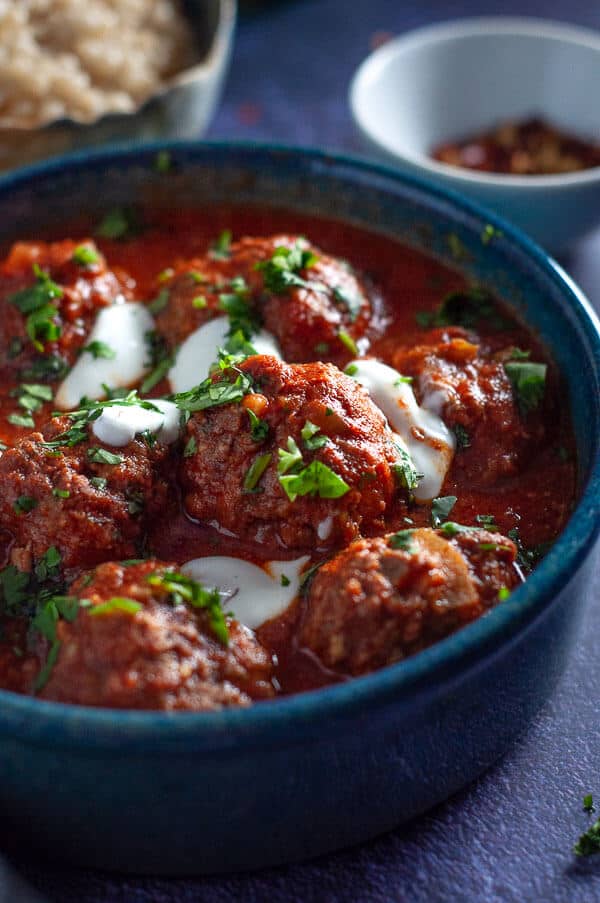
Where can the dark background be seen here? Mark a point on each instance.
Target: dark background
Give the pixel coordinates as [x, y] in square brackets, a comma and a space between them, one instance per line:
[508, 837]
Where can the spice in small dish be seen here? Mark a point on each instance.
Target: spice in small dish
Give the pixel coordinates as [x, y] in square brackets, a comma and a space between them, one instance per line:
[530, 147]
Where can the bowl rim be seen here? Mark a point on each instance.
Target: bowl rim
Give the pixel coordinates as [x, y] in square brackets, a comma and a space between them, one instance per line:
[375, 64]
[321, 710]
[215, 57]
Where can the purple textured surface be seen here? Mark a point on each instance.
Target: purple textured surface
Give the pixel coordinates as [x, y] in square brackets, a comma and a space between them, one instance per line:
[507, 837]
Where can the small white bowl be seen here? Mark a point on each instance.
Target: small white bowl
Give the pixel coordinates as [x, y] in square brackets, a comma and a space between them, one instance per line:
[447, 81]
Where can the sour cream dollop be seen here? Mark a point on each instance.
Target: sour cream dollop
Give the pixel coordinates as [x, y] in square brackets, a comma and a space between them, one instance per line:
[118, 424]
[122, 328]
[253, 594]
[200, 350]
[424, 434]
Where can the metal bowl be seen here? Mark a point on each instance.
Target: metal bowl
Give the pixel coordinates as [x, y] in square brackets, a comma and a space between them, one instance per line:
[182, 108]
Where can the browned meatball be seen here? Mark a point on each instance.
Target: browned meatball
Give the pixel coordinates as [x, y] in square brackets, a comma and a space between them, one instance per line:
[382, 599]
[315, 311]
[475, 398]
[160, 656]
[76, 289]
[68, 497]
[311, 416]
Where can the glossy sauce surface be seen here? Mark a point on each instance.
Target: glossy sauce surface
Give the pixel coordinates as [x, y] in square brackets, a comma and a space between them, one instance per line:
[537, 500]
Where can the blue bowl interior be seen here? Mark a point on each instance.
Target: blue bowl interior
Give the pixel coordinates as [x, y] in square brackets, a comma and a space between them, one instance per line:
[37, 201]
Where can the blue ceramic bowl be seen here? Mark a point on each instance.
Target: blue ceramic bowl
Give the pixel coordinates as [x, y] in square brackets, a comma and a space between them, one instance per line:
[183, 793]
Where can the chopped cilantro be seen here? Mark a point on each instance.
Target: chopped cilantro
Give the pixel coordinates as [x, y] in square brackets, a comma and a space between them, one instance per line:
[102, 456]
[281, 270]
[490, 232]
[116, 603]
[486, 520]
[163, 162]
[463, 440]
[527, 556]
[404, 470]
[589, 842]
[401, 380]
[351, 301]
[21, 420]
[199, 302]
[259, 429]
[321, 348]
[160, 360]
[588, 803]
[51, 367]
[464, 308]
[517, 354]
[98, 482]
[117, 224]
[183, 590]
[351, 370]
[316, 479]
[312, 437]
[25, 503]
[221, 248]
[191, 447]
[255, 472]
[60, 493]
[84, 256]
[160, 302]
[450, 528]
[285, 581]
[100, 350]
[529, 383]
[401, 540]
[212, 393]
[289, 459]
[503, 594]
[441, 508]
[35, 303]
[348, 342]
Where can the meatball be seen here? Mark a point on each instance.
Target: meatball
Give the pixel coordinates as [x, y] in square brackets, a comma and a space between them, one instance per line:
[160, 656]
[383, 599]
[71, 277]
[313, 304]
[313, 420]
[473, 394]
[317, 308]
[89, 501]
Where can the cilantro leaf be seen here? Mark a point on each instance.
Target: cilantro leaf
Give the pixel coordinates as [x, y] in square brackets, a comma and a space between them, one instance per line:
[100, 350]
[183, 590]
[281, 270]
[316, 479]
[441, 508]
[529, 383]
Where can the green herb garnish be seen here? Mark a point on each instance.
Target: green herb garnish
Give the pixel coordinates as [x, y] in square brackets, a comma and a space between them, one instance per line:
[163, 162]
[117, 224]
[99, 455]
[259, 429]
[191, 447]
[348, 342]
[490, 232]
[316, 479]
[312, 437]
[183, 590]
[281, 270]
[441, 508]
[25, 503]
[84, 256]
[212, 393]
[464, 308]
[35, 303]
[255, 472]
[117, 603]
[463, 440]
[351, 301]
[404, 470]
[529, 383]
[160, 302]
[100, 350]
[221, 248]
[401, 540]
[292, 458]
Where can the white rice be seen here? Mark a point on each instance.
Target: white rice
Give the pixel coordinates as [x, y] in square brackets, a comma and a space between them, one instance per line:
[84, 58]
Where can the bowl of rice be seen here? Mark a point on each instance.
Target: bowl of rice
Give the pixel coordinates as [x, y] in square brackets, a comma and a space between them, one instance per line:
[126, 70]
